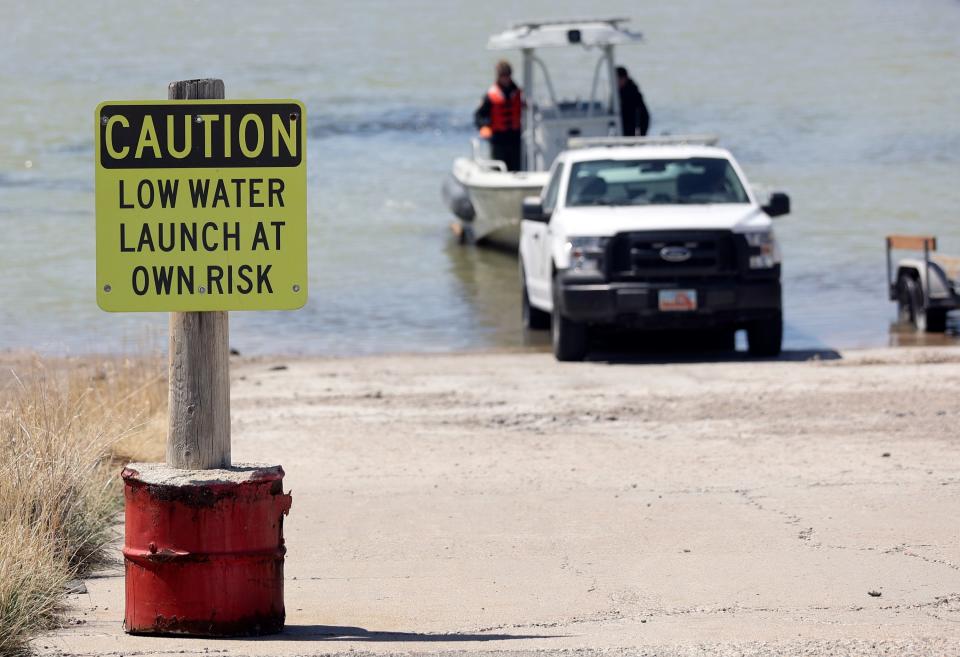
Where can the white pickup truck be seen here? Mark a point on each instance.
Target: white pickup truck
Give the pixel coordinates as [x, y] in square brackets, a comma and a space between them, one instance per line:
[651, 233]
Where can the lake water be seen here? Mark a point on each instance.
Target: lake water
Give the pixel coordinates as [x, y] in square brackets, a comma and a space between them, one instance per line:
[853, 107]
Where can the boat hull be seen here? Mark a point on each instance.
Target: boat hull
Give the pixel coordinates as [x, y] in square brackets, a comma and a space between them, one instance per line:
[497, 200]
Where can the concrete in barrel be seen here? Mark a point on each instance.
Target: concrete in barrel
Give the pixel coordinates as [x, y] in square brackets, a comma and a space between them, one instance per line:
[204, 550]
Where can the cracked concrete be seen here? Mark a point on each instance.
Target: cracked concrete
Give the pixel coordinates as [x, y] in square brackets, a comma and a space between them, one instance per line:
[508, 504]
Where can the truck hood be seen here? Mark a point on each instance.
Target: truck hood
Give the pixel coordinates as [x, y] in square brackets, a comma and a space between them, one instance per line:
[608, 220]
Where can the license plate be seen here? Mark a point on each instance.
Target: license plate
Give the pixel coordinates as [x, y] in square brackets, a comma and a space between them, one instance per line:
[678, 300]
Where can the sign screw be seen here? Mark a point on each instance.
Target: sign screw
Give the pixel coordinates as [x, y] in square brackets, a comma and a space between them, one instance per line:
[107, 288]
[296, 288]
[203, 290]
[104, 119]
[199, 119]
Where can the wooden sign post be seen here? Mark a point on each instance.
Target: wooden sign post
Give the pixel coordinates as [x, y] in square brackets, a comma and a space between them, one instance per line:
[198, 437]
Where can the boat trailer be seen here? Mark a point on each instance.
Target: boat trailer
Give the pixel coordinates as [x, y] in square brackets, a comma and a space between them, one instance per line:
[925, 287]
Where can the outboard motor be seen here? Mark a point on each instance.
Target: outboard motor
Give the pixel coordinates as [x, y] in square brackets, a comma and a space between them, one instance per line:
[456, 197]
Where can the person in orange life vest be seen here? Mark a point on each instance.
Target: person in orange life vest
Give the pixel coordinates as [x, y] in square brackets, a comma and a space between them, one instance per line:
[499, 115]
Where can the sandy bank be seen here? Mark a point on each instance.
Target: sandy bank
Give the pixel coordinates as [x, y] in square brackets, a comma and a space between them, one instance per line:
[505, 502]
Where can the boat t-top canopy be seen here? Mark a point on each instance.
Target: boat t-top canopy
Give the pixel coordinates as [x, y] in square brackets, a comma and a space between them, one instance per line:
[549, 121]
[545, 34]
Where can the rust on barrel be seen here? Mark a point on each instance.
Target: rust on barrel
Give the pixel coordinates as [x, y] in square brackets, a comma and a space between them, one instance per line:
[204, 550]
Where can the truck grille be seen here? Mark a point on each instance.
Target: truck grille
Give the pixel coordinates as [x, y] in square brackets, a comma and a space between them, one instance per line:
[667, 255]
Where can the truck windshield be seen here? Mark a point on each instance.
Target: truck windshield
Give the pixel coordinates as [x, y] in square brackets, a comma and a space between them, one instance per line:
[696, 180]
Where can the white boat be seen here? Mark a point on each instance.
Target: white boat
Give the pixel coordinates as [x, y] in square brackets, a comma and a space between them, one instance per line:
[486, 198]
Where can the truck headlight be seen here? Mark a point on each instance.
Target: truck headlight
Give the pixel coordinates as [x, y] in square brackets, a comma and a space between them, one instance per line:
[764, 250]
[586, 253]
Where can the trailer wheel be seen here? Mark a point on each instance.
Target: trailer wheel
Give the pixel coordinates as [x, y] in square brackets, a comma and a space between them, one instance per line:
[911, 309]
[906, 287]
[936, 320]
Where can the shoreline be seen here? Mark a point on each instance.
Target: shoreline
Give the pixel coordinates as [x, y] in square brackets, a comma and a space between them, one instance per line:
[911, 352]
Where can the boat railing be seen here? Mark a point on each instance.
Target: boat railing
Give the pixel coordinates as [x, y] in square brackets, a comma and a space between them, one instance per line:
[493, 165]
[476, 149]
[479, 153]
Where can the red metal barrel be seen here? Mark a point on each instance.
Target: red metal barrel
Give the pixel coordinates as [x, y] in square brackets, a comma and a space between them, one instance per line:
[204, 551]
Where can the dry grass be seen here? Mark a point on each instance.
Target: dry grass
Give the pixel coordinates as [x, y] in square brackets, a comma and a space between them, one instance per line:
[64, 426]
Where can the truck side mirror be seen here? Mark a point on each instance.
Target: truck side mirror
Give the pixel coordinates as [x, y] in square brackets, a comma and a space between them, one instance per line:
[533, 210]
[778, 204]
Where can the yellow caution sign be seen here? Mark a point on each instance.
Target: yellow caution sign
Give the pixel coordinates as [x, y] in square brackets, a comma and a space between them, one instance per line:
[201, 205]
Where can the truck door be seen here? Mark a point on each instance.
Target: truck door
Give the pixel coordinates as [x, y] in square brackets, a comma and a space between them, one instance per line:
[535, 244]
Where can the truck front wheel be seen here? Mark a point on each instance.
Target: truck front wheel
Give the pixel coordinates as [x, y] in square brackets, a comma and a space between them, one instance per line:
[765, 337]
[532, 318]
[569, 337]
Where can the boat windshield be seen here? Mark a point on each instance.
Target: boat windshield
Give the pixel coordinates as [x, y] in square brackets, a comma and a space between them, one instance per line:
[695, 180]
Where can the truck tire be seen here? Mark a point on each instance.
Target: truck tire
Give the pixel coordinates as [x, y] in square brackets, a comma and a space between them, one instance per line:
[911, 309]
[533, 319]
[720, 340]
[569, 337]
[765, 336]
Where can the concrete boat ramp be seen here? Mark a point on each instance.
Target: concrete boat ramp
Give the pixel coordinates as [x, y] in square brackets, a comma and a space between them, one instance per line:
[507, 504]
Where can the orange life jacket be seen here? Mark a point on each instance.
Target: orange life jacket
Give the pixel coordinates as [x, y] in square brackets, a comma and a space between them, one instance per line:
[505, 112]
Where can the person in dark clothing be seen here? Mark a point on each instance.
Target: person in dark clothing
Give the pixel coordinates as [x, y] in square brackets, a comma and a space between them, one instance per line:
[499, 115]
[634, 116]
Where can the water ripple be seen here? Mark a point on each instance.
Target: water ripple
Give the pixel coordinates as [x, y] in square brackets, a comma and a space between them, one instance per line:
[416, 120]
